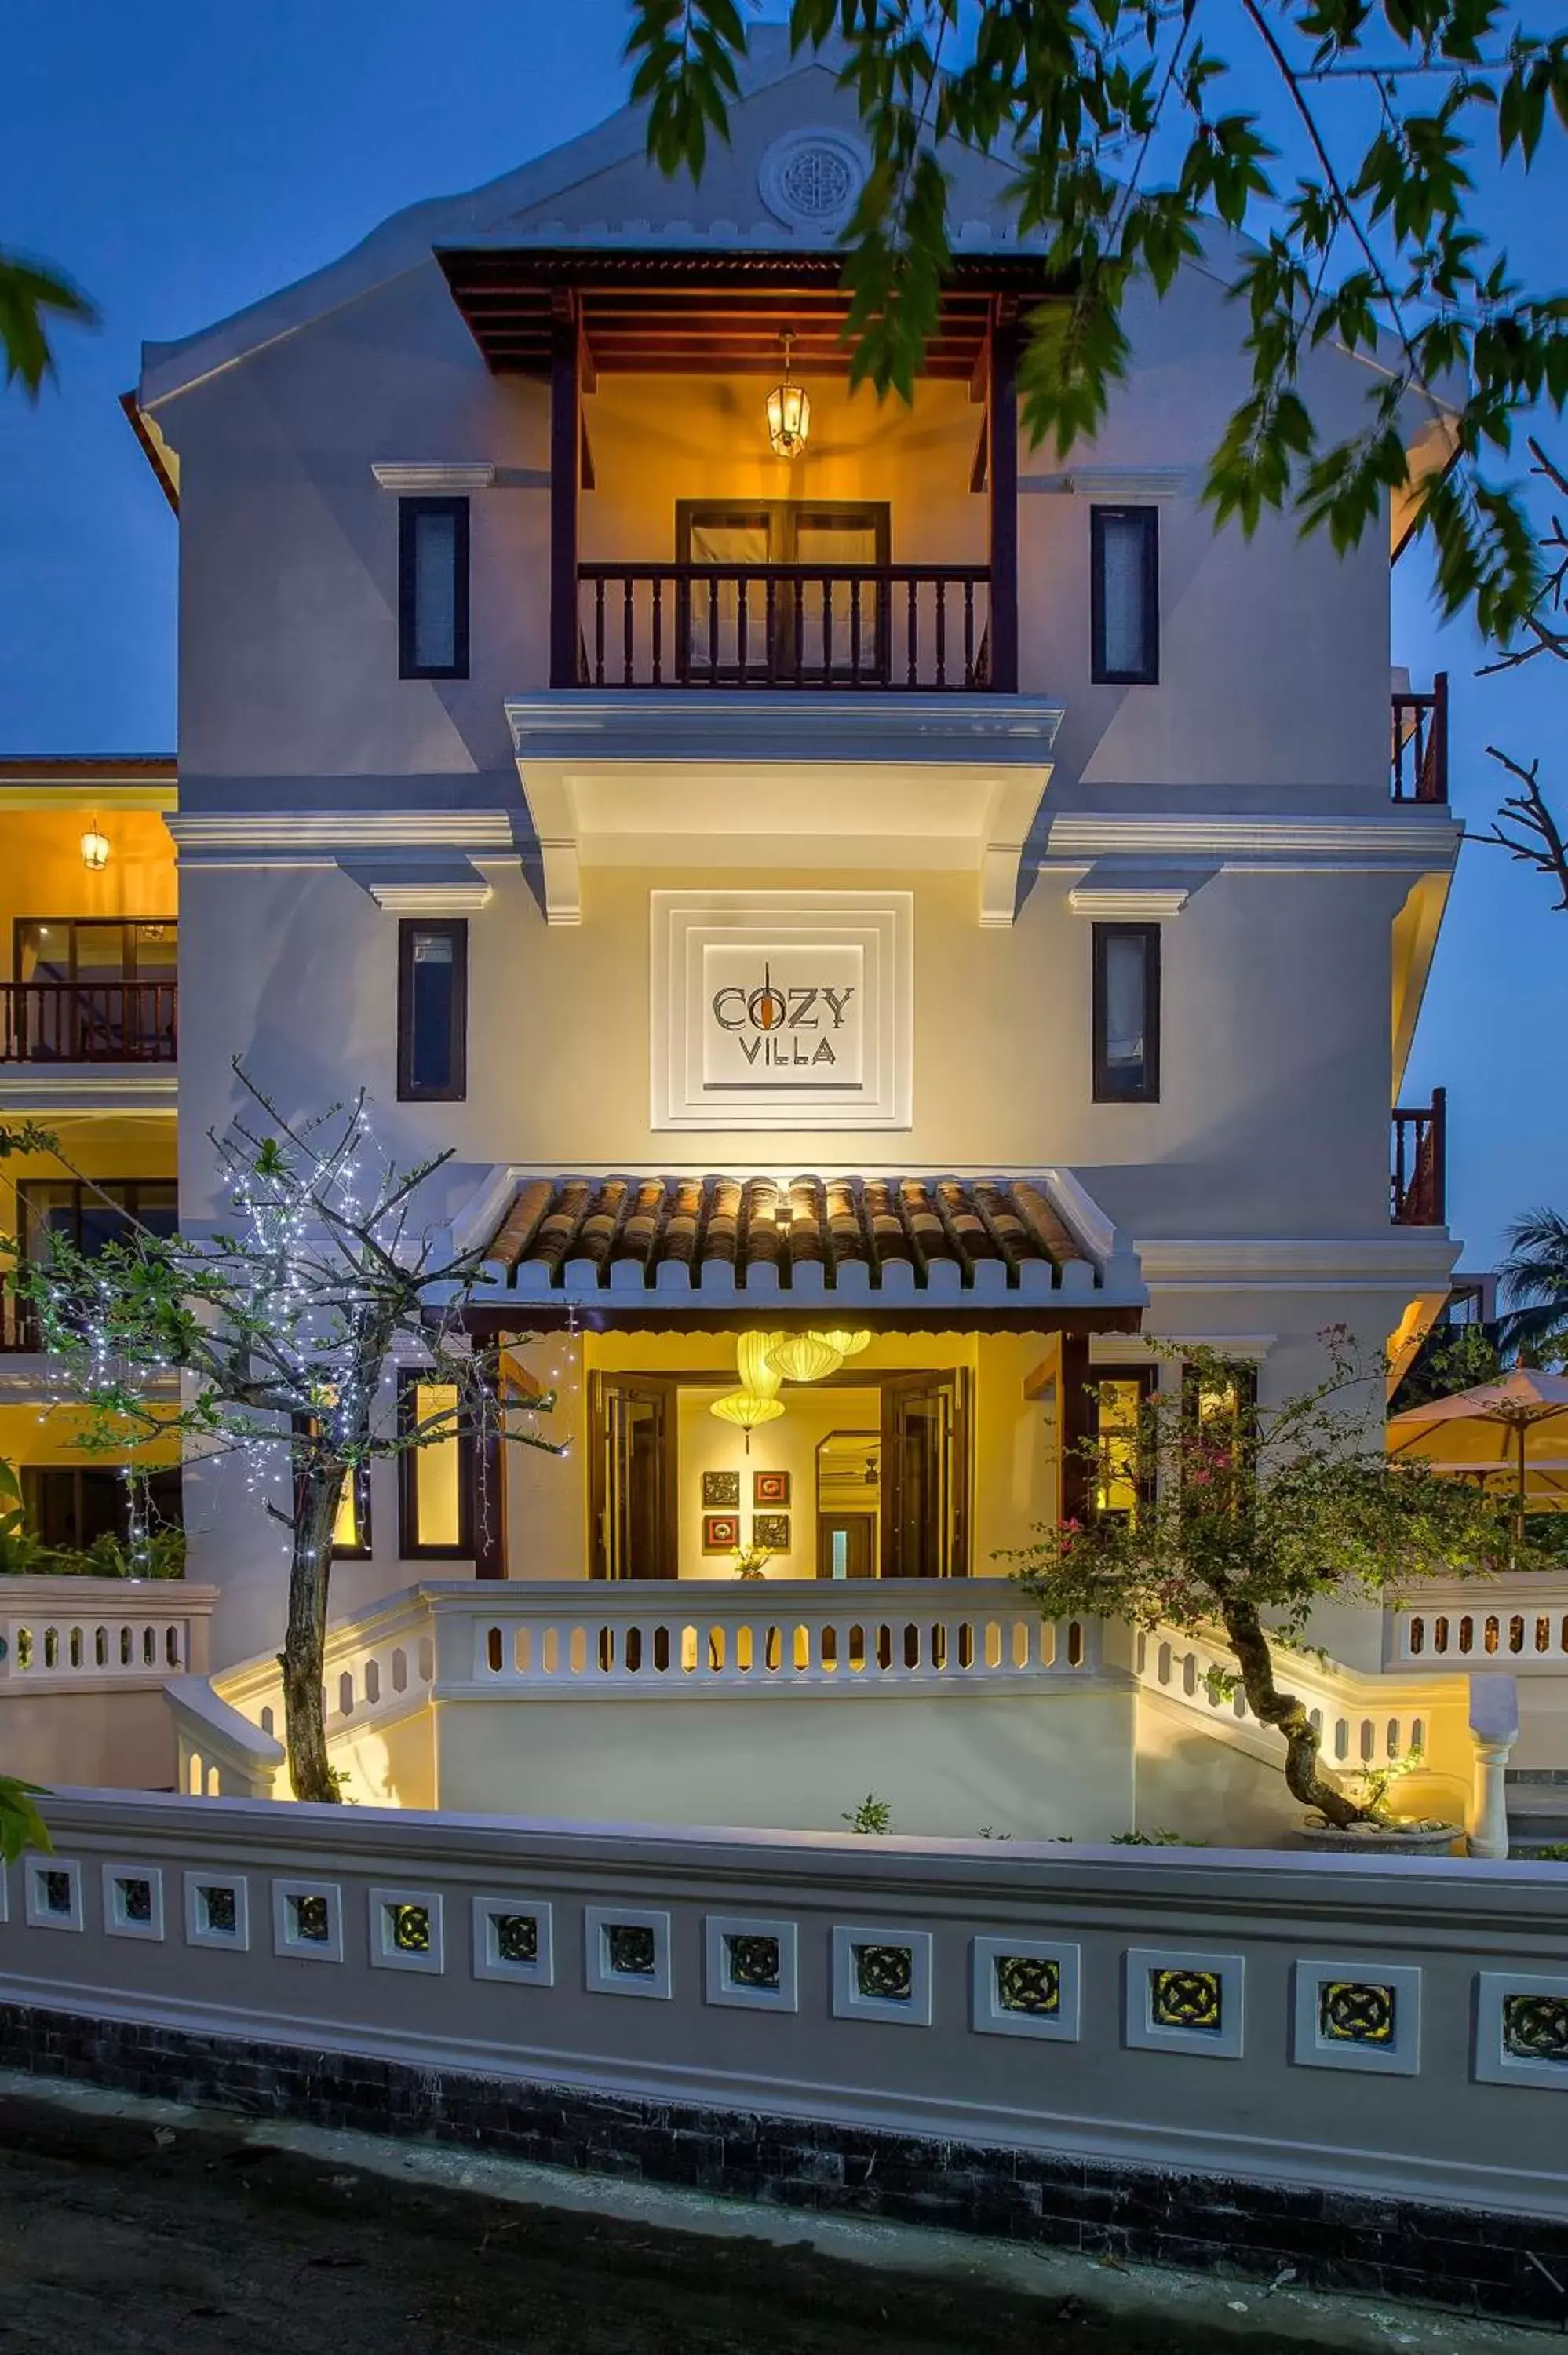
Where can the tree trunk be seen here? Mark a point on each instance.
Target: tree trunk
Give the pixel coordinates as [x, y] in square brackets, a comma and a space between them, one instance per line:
[302, 1658]
[1288, 1714]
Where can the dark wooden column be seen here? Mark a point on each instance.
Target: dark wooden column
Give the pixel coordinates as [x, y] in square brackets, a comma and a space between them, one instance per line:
[566, 477]
[1002, 415]
[1075, 1408]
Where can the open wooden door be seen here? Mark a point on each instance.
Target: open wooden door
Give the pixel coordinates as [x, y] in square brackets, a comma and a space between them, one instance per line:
[926, 1475]
[632, 1477]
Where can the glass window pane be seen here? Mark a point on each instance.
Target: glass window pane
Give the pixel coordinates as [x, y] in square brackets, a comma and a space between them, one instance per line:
[437, 1471]
[432, 986]
[435, 589]
[99, 952]
[157, 1205]
[1126, 1004]
[345, 1528]
[1120, 1402]
[43, 952]
[157, 948]
[1124, 544]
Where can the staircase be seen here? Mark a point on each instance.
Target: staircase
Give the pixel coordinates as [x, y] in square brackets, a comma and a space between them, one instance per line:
[1537, 1808]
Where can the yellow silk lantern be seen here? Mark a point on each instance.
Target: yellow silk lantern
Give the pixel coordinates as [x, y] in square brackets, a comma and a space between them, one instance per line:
[805, 1358]
[847, 1344]
[745, 1409]
[753, 1357]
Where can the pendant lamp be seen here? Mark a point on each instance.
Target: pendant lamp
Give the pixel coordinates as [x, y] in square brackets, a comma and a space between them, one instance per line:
[752, 1354]
[746, 1411]
[788, 413]
[847, 1344]
[806, 1358]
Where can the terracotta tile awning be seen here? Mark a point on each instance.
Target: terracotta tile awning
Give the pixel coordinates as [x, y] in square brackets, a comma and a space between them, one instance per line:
[861, 1235]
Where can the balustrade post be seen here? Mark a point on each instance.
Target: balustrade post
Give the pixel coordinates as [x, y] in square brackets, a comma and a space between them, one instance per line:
[1494, 1730]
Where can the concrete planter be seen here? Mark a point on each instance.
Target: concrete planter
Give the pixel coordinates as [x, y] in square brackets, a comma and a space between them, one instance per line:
[1370, 1839]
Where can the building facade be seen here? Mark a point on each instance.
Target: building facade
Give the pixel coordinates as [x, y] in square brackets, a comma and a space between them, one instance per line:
[919, 889]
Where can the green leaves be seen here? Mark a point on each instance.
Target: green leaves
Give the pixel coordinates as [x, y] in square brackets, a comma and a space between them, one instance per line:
[29, 295]
[21, 1826]
[1374, 248]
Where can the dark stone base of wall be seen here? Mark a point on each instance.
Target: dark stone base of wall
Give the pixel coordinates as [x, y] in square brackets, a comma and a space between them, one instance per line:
[1466, 2261]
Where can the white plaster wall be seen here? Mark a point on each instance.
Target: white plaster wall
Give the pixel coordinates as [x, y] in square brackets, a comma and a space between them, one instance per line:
[1033, 1765]
[123, 1741]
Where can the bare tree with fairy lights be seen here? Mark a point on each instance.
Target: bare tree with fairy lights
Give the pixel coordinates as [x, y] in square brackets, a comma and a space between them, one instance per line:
[273, 1334]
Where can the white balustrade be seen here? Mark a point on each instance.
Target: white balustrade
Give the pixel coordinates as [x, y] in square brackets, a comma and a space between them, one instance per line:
[772, 1636]
[1520, 1623]
[1362, 1721]
[64, 1631]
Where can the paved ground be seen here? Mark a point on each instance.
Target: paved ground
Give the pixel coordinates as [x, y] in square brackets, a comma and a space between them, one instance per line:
[131, 2227]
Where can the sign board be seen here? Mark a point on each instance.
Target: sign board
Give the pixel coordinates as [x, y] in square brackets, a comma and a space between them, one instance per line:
[781, 1009]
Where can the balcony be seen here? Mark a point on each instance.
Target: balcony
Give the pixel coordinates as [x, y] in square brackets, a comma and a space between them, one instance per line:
[88, 1022]
[1418, 1182]
[1419, 770]
[911, 627]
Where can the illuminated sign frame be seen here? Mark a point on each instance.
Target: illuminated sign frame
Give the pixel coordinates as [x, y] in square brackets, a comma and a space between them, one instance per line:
[781, 1010]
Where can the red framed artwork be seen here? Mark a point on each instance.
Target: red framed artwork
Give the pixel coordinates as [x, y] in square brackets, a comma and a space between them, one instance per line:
[721, 1532]
[769, 1490]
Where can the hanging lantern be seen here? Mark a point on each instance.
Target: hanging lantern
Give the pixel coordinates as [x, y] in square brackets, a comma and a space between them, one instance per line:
[847, 1344]
[806, 1358]
[94, 850]
[788, 412]
[746, 1411]
[752, 1354]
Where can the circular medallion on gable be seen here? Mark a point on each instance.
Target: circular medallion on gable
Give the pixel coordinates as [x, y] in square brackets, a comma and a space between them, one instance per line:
[810, 179]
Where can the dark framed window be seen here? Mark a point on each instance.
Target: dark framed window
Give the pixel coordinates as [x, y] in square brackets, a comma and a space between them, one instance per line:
[436, 1481]
[351, 1540]
[93, 1216]
[1124, 596]
[1126, 1013]
[432, 1009]
[432, 588]
[1219, 1415]
[69, 1505]
[1124, 1470]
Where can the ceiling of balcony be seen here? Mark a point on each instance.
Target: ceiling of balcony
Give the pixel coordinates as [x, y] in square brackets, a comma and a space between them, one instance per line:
[688, 313]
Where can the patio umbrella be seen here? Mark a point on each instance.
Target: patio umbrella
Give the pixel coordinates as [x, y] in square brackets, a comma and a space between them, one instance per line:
[1517, 1426]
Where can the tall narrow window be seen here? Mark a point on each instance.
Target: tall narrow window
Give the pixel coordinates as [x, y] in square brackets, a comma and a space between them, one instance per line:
[1126, 992]
[1124, 596]
[432, 588]
[1124, 1479]
[1219, 1411]
[432, 1010]
[436, 1499]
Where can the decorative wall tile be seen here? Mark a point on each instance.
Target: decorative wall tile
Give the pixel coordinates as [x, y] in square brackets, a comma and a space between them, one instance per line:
[626, 1950]
[1357, 2015]
[513, 1938]
[133, 1900]
[217, 1911]
[880, 1974]
[721, 1490]
[1177, 2001]
[750, 1963]
[52, 1899]
[406, 1931]
[307, 1920]
[1521, 2028]
[1024, 1987]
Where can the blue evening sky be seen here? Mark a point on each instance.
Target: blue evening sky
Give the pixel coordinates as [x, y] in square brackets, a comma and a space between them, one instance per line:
[183, 163]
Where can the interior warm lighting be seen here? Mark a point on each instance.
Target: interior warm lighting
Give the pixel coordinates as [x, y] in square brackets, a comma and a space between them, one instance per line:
[788, 413]
[94, 850]
[806, 1358]
[847, 1344]
[747, 1409]
[753, 1358]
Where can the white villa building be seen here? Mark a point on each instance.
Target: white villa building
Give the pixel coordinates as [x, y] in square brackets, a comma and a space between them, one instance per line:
[919, 887]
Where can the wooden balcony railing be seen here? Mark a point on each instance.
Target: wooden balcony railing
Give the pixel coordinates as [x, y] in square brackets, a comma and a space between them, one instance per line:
[1420, 750]
[894, 626]
[88, 1021]
[1418, 1184]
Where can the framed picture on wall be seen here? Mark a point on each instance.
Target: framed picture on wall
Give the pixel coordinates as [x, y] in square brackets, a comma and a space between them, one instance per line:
[769, 1488]
[721, 1532]
[721, 1489]
[771, 1530]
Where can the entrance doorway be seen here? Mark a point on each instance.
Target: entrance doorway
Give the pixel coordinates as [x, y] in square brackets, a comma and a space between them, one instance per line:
[865, 1474]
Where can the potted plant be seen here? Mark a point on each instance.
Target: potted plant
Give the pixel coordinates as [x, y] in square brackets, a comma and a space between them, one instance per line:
[1247, 1517]
[752, 1560]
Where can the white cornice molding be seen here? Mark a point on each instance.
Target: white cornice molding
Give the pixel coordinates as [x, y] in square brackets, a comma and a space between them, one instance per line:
[1133, 901]
[317, 838]
[1339, 845]
[458, 478]
[1421, 1258]
[1114, 482]
[655, 724]
[91, 1088]
[435, 898]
